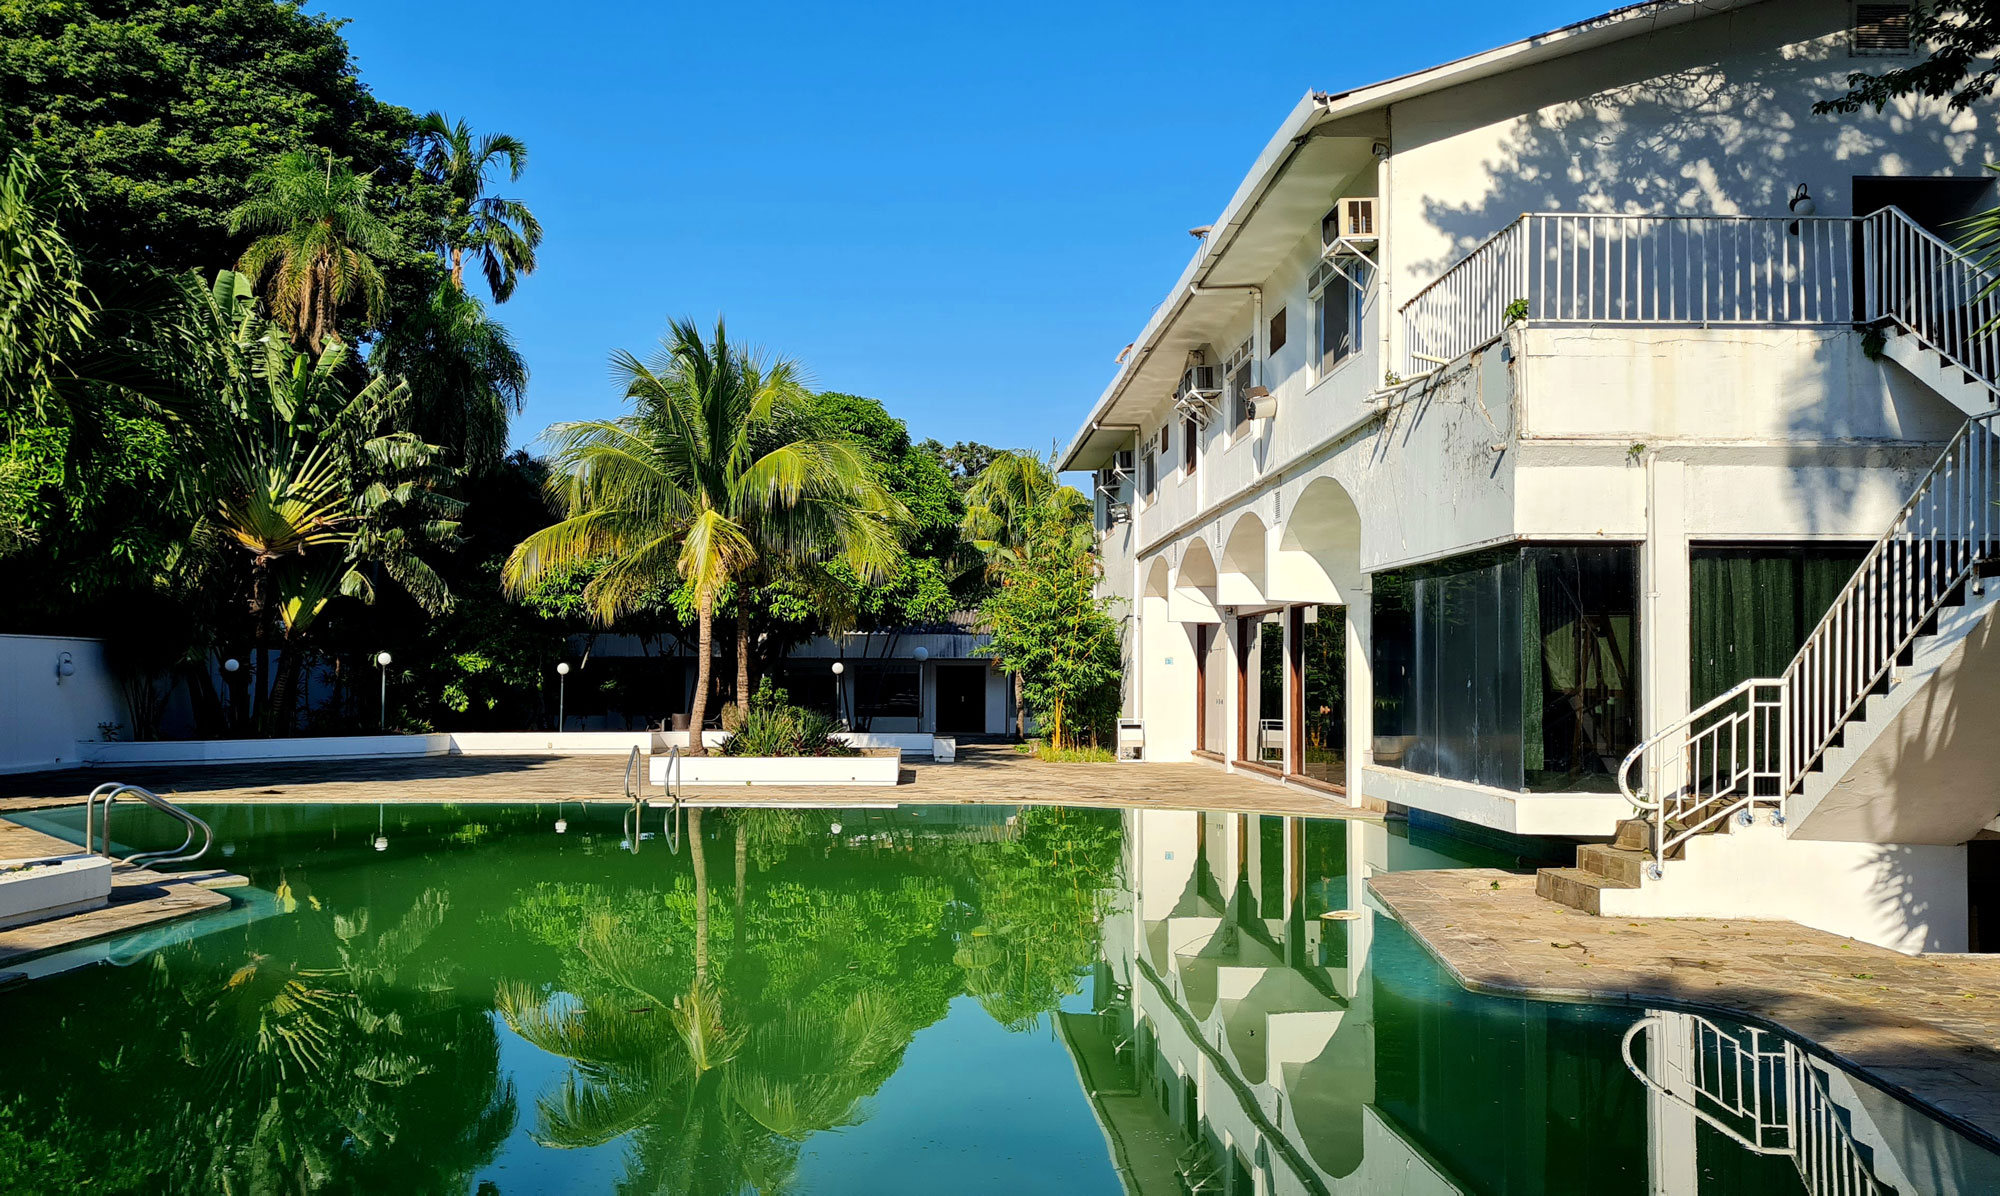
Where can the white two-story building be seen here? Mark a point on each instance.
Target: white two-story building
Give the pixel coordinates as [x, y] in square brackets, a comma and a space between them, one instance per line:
[1587, 439]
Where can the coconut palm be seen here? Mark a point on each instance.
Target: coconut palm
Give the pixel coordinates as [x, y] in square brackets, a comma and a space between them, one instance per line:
[1011, 495]
[466, 377]
[711, 480]
[318, 247]
[502, 233]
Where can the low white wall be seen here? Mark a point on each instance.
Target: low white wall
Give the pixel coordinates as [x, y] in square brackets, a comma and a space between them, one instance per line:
[42, 716]
[781, 770]
[1905, 898]
[349, 747]
[1581, 815]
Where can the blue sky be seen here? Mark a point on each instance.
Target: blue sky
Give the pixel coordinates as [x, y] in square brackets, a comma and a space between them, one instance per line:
[964, 211]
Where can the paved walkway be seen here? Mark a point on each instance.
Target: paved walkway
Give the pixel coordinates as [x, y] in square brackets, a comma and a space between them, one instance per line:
[138, 898]
[1925, 1026]
[983, 774]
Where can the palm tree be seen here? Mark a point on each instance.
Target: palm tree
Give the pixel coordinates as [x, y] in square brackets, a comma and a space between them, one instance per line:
[1014, 493]
[502, 233]
[319, 244]
[302, 477]
[466, 377]
[710, 480]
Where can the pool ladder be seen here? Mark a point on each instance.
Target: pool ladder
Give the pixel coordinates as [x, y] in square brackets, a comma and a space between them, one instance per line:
[111, 791]
[635, 793]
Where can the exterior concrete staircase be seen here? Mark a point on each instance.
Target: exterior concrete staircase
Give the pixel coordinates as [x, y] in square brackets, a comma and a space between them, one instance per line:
[1618, 865]
[1919, 733]
[1950, 380]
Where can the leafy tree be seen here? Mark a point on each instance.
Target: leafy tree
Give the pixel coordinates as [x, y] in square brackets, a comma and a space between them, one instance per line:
[1963, 36]
[162, 111]
[713, 479]
[1049, 626]
[501, 233]
[45, 313]
[963, 460]
[1013, 494]
[465, 375]
[319, 247]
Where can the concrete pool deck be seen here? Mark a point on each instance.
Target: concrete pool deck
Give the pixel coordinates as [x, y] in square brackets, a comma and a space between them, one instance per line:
[1925, 1027]
[983, 773]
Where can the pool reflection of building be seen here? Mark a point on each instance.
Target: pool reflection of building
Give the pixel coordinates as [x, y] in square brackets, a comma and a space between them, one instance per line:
[1259, 1029]
[1233, 1051]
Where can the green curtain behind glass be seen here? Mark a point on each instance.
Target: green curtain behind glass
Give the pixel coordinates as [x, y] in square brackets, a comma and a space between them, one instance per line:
[1751, 608]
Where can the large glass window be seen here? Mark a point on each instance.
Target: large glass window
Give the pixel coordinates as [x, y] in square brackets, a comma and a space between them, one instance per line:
[1267, 738]
[887, 691]
[1750, 608]
[1323, 677]
[1515, 668]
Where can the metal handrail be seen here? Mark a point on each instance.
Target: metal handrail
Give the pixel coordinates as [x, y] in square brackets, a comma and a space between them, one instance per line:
[635, 782]
[1781, 1095]
[111, 791]
[1940, 536]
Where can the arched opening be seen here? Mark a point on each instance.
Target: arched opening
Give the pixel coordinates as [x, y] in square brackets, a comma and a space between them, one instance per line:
[1316, 571]
[1319, 552]
[1240, 576]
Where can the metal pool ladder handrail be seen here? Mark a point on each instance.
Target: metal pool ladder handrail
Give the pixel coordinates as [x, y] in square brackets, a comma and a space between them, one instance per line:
[111, 791]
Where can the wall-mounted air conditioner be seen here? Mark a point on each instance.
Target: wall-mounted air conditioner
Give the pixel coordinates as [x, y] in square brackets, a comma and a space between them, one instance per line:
[1355, 221]
[1200, 385]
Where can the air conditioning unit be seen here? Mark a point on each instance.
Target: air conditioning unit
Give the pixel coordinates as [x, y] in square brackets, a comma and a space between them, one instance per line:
[1353, 221]
[1204, 381]
[1263, 406]
[1118, 513]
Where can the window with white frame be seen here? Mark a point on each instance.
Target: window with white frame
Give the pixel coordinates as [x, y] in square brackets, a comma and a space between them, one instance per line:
[1337, 293]
[1237, 372]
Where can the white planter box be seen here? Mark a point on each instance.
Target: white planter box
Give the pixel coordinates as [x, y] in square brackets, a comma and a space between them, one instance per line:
[944, 749]
[782, 770]
[50, 890]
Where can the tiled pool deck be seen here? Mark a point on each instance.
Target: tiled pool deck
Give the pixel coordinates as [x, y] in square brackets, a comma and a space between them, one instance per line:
[1926, 1027]
[983, 773]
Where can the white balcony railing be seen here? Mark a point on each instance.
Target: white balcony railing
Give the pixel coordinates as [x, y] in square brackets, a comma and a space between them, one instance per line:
[1556, 268]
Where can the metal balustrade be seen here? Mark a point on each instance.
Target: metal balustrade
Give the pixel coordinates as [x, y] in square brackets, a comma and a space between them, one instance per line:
[1576, 269]
[1765, 1094]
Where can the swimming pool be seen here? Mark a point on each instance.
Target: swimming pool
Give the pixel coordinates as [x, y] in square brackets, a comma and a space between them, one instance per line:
[915, 999]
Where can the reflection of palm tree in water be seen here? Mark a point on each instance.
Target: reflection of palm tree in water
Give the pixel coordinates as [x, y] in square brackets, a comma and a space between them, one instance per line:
[719, 1091]
[316, 1070]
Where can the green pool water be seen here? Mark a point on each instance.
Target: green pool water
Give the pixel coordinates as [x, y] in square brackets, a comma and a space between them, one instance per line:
[911, 1000]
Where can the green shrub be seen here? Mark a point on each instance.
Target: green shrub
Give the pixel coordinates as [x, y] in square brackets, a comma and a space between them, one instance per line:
[778, 730]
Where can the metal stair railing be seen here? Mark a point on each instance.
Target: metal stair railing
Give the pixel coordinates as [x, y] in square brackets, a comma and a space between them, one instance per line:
[110, 792]
[1756, 744]
[1767, 1097]
[1917, 280]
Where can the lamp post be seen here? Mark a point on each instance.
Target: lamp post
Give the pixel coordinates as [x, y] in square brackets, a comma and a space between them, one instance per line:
[562, 681]
[382, 662]
[921, 654]
[840, 690]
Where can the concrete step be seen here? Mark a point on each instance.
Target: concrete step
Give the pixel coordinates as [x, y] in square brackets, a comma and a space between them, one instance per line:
[1574, 887]
[1623, 865]
[1634, 834]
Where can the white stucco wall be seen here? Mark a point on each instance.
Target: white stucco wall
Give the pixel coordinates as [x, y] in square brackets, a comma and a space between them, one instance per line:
[43, 716]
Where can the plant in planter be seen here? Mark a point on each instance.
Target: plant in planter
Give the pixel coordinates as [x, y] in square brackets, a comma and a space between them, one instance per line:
[780, 730]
